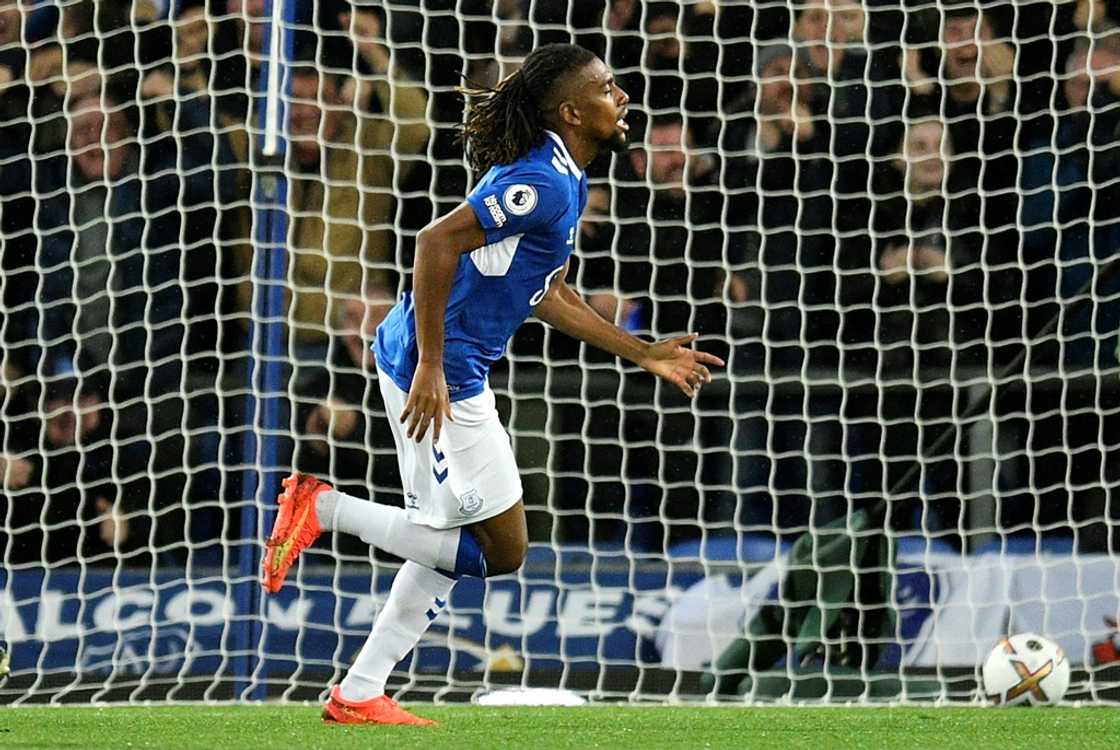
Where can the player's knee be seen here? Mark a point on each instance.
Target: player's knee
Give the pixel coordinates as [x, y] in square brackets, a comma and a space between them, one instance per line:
[507, 557]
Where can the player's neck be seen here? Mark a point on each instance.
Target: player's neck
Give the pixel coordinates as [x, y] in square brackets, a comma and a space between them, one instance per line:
[582, 151]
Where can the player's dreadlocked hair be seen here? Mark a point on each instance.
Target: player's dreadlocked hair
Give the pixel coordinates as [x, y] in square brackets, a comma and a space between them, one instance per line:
[505, 122]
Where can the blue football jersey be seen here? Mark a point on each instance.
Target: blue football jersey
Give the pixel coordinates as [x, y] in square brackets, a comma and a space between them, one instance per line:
[530, 211]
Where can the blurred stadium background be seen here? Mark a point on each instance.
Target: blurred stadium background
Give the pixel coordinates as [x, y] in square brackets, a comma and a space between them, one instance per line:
[897, 220]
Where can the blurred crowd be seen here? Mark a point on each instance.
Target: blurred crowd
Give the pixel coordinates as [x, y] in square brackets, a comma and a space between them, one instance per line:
[901, 198]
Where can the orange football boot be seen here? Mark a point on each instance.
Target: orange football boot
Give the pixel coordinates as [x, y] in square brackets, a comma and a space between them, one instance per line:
[379, 710]
[295, 529]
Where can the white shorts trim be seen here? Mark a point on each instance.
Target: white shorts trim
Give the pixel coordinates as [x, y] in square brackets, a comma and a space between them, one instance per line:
[469, 476]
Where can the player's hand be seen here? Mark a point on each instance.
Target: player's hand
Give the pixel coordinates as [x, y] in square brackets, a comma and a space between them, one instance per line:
[673, 360]
[428, 403]
[365, 25]
[367, 31]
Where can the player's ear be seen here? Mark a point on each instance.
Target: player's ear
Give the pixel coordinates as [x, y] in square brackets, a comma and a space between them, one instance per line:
[569, 113]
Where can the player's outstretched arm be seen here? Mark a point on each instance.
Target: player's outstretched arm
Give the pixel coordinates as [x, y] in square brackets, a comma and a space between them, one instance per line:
[672, 359]
[438, 247]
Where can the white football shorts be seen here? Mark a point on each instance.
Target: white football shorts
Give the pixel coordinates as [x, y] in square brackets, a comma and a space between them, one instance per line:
[468, 476]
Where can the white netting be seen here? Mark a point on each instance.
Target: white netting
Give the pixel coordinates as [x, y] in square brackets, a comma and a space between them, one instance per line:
[896, 222]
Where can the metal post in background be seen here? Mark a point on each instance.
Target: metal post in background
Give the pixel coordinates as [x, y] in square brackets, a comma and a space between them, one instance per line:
[268, 351]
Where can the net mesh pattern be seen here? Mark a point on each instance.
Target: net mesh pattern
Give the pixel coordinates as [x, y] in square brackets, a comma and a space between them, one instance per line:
[895, 221]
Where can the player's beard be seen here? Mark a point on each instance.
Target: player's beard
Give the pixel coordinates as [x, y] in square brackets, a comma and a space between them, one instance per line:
[618, 142]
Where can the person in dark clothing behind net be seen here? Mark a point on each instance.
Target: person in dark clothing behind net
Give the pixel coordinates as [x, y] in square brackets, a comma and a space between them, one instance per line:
[919, 312]
[791, 173]
[667, 269]
[982, 105]
[782, 172]
[343, 434]
[676, 72]
[1071, 209]
[926, 256]
[1071, 221]
[86, 497]
[672, 243]
[119, 229]
[116, 258]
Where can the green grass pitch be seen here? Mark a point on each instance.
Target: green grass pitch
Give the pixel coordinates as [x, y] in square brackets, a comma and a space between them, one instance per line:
[297, 727]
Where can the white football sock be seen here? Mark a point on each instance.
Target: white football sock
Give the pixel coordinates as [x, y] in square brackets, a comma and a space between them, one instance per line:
[416, 597]
[388, 529]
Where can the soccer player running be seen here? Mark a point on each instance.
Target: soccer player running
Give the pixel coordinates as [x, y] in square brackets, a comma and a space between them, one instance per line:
[481, 270]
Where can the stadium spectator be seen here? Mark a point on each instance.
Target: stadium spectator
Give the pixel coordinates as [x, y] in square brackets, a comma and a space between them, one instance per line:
[590, 492]
[85, 496]
[341, 410]
[829, 36]
[622, 20]
[1071, 210]
[19, 469]
[673, 253]
[119, 231]
[785, 178]
[790, 174]
[923, 237]
[980, 88]
[95, 39]
[344, 171]
[1071, 220]
[928, 282]
[242, 54]
[515, 37]
[832, 60]
[206, 61]
[595, 268]
[675, 52]
[19, 429]
[661, 66]
[193, 74]
[13, 55]
[1096, 15]
[659, 266]
[16, 206]
[115, 248]
[671, 245]
[980, 103]
[251, 27]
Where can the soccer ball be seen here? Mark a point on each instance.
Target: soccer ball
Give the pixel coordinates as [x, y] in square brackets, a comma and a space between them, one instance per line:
[1026, 669]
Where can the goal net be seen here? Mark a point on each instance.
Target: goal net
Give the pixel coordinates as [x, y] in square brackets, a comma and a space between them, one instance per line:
[896, 221]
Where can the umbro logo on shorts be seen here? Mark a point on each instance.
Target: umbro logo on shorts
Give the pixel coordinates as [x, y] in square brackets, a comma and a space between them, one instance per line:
[470, 503]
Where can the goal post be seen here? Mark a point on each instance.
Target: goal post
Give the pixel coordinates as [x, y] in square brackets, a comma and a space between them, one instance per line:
[894, 220]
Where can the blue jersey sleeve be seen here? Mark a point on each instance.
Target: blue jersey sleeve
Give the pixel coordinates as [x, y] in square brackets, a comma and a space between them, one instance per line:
[516, 201]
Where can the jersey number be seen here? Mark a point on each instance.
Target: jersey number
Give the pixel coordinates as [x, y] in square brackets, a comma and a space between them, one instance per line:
[536, 298]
